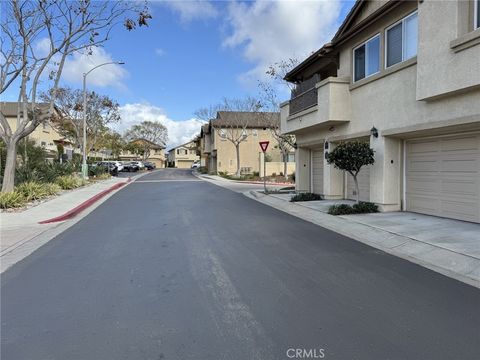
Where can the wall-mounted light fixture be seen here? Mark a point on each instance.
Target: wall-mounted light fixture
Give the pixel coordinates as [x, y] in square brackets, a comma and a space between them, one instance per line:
[326, 145]
[295, 146]
[374, 132]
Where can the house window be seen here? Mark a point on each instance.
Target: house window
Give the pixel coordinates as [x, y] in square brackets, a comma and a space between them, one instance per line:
[401, 40]
[366, 58]
[222, 134]
[254, 132]
[43, 143]
[178, 151]
[476, 14]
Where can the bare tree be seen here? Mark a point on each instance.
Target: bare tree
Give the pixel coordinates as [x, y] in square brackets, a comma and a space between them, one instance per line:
[68, 117]
[63, 27]
[270, 101]
[233, 117]
[151, 132]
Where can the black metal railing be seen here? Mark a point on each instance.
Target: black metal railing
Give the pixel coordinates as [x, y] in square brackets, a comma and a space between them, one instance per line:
[303, 101]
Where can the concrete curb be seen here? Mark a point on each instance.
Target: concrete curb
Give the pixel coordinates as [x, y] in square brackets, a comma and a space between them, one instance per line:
[454, 265]
[204, 176]
[87, 203]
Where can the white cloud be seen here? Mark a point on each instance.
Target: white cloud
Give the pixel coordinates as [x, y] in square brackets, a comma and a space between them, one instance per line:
[179, 132]
[108, 75]
[270, 31]
[193, 9]
[159, 52]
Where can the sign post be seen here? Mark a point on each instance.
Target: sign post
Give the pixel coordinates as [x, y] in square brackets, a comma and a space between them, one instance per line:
[264, 146]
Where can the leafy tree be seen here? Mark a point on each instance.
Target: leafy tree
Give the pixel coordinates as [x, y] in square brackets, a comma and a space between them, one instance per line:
[63, 27]
[144, 136]
[113, 141]
[102, 112]
[235, 129]
[270, 100]
[351, 157]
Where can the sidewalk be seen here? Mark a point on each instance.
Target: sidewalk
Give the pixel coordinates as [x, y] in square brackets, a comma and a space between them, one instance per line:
[450, 247]
[220, 178]
[21, 233]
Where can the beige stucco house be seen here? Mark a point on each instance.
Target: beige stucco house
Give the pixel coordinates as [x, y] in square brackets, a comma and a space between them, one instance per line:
[219, 154]
[44, 135]
[183, 156]
[155, 153]
[405, 77]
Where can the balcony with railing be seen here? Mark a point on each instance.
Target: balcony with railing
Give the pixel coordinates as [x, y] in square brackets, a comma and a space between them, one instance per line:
[304, 95]
[327, 104]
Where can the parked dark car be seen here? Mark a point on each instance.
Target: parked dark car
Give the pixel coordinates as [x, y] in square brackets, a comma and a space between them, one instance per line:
[149, 165]
[109, 167]
[130, 167]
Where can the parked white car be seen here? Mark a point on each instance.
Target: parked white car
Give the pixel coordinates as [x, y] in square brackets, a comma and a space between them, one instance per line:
[195, 165]
[118, 164]
[140, 164]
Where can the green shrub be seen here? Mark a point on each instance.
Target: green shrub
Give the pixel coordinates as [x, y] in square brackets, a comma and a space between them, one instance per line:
[27, 174]
[305, 197]
[202, 170]
[11, 199]
[256, 174]
[362, 207]
[32, 190]
[340, 209]
[292, 177]
[52, 188]
[68, 182]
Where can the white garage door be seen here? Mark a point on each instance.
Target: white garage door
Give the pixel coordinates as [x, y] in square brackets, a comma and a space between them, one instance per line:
[443, 177]
[363, 178]
[317, 171]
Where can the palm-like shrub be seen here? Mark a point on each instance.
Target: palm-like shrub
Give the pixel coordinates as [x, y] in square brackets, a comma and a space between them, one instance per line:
[68, 182]
[32, 190]
[12, 199]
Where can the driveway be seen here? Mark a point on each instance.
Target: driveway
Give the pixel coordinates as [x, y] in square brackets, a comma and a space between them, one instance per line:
[172, 267]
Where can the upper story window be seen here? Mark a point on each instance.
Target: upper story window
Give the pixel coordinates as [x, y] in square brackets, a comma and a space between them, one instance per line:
[401, 40]
[366, 58]
[476, 14]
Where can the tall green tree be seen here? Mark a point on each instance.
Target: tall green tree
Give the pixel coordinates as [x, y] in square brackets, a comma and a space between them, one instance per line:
[153, 133]
[351, 157]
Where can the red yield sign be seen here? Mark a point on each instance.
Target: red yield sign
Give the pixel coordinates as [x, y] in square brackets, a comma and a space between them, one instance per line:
[264, 145]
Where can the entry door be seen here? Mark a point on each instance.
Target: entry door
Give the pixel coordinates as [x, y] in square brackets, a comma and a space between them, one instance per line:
[317, 171]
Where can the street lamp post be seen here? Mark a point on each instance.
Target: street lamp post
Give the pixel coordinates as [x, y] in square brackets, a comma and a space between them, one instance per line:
[84, 162]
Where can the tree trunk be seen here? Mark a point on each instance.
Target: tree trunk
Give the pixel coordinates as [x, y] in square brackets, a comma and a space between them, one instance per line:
[356, 187]
[10, 164]
[285, 165]
[237, 148]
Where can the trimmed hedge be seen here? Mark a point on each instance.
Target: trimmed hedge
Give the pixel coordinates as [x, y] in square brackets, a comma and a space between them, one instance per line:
[362, 207]
[305, 197]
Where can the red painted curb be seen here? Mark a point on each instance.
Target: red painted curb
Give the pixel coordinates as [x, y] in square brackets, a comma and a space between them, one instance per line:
[71, 213]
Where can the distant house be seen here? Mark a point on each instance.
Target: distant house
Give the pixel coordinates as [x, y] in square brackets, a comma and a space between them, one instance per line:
[144, 150]
[183, 156]
[219, 154]
[44, 135]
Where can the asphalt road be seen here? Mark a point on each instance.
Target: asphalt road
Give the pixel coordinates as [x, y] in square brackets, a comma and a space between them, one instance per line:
[172, 267]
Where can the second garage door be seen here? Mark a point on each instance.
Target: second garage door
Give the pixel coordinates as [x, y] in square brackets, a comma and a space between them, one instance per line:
[317, 171]
[443, 176]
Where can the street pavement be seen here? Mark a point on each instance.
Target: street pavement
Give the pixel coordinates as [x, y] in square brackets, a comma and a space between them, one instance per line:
[172, 267]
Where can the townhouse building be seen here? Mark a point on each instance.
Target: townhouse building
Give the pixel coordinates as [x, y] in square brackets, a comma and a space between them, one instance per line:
[183, 156]
[219, 154]
[45, 135]
[405, 77]
[144, 150]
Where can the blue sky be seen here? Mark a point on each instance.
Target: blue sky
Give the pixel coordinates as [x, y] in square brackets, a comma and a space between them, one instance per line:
[194, 53]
